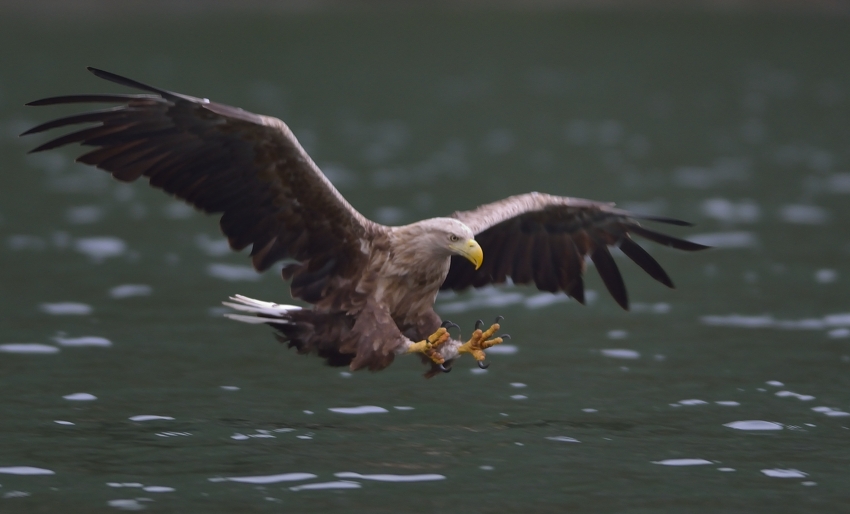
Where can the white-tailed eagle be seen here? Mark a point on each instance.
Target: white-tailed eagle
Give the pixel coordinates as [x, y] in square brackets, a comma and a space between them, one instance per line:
[372, 287]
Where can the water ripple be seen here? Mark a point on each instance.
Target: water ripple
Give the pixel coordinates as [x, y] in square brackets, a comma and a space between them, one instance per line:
[392, 478]
[26, 470]
[363, 409]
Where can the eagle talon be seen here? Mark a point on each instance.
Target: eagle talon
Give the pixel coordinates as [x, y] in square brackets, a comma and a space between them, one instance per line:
[498, 319]
[444, 369]
[480, 341]
[483, 365]
[478, 324]
[449, 324]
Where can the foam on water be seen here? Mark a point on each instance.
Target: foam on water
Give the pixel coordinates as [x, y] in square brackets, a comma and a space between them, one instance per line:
[149, 417]
[269, 479]
[784, 473]
[26, 470]
[429, 477]
[739, 239]
[80, 397]
[563, 439]
[66, 308]
[363, 409]
[754, 425]
[620, 353]
[801, 397]
[27, 348]
[341, 484]
[130, 291]
[100, 248]
[232, 272]
[83, 341]
[682, 462]
[502, 349]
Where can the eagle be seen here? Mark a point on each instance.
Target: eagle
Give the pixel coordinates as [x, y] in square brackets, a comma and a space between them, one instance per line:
[371, 288]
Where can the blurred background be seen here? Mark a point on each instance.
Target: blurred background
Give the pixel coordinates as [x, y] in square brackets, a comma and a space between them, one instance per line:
[125, 389]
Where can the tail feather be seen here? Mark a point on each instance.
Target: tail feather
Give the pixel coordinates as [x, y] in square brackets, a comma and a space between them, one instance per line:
[307, 331]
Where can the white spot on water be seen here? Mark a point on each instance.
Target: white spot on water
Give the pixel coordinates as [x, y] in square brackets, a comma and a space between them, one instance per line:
[826, 276]
[158, 489]
[178, 211]
[726, 470]
[18, 494]
[617, 334]
[784, 473]
[775, 383]
[541, 300]
[402, 407]
[519, 397]
[306, 437]
[149, 417]
[26, 470]
[212, 247]
[745, 211]
[100, 248]
[803, 214]
[682, 462]
[839, 333]
[801, 397]
[503, 349]
[239, 437]
[230, 388]
[80, 397]
[363, 409]
[590, 410]
[84, 214]
[130, 290]
[66, 308]
[341, 484]
[125, 504]
[620, 353]
[728, 403]
[740, 239]
[27, 348]
[392, 478]
[837, 414]
[60, 422]
[518, 384]
[269, 479]
[232, 272]
[692, 402]
[83, 341]
[563, 439]
[754, 425]
[486, 468]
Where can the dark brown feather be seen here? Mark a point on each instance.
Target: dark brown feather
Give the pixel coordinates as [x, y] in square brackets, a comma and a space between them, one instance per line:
[224, 159]
[545, 239]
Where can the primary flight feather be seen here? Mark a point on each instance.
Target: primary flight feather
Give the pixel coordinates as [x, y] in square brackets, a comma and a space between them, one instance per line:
[372, 287]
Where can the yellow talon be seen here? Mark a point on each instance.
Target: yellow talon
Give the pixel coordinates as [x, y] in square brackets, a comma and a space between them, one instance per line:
[429, 346]
[480, 341]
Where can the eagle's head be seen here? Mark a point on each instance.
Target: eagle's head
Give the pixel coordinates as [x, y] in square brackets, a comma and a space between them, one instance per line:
[443, 237]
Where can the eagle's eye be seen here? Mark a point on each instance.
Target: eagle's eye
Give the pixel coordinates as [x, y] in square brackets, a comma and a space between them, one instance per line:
[453, 238]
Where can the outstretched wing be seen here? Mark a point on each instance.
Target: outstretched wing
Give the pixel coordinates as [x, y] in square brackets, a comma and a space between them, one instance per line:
[223, 159]
[544, 239]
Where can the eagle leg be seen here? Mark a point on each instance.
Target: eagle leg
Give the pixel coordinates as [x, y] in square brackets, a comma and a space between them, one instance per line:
[430, 347]
[480, 341]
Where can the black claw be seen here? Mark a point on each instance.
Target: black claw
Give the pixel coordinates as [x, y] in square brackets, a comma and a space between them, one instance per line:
[448, 324]
[478, 324]
[483, 365]
[505, 336]
[443, 368]
[498, 319]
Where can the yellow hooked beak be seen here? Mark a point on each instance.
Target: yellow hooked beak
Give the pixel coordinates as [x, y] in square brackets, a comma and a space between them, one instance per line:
[469, 249]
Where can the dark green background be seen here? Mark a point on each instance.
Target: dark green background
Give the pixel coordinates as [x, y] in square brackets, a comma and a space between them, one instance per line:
[417, 114]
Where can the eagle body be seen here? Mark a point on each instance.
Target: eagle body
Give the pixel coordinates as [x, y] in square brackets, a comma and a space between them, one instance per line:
[370, 288]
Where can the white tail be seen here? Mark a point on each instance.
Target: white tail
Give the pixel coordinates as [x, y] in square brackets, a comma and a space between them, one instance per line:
[263, 310]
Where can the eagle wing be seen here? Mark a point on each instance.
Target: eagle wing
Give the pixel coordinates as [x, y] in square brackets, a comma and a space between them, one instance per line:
[222, 159]
[545, 239]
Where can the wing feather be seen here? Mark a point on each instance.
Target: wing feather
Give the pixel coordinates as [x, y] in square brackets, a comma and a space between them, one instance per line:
[545, 239]
[222, 159]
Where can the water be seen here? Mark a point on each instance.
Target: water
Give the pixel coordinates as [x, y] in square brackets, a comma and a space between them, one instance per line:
[125, 389]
